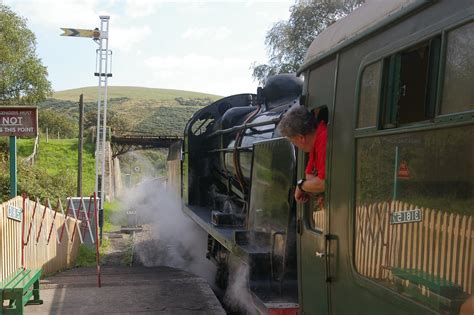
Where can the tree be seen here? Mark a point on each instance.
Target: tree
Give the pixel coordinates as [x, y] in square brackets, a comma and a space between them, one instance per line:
[23, 79]
[58, 123]
[288, 41]
[115, 120]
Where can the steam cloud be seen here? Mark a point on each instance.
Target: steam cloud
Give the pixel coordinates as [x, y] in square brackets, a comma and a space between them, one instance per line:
[175, 240]
[238, 295]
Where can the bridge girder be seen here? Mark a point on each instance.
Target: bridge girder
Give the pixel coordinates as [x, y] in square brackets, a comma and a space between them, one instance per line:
[126, 143]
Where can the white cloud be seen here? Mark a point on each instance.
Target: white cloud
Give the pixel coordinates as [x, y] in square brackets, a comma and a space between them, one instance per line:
[274, 16]
[124, 38]
[53, 13]
[193, 72]
[140, 8]
[215, 33]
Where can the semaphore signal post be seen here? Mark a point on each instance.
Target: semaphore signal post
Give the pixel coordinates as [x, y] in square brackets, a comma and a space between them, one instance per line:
[103, 71]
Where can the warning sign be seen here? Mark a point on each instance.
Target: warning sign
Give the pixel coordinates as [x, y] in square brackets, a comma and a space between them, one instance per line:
[18, 121]
[403, 172]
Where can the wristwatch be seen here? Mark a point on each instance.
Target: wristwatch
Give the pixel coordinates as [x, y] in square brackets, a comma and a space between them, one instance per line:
[299, 183]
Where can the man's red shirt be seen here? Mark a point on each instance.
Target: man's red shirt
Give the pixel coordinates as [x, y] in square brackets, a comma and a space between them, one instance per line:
[317, 156]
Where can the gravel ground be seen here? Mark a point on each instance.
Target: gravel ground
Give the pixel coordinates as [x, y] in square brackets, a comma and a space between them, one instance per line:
[118, 251]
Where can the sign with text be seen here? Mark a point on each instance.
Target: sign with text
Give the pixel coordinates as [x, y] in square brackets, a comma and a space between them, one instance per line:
[407, 216]
[20, 121]
[14, 213]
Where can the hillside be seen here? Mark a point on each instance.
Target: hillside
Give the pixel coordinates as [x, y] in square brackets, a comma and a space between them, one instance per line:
[132, 92]
[137, 109]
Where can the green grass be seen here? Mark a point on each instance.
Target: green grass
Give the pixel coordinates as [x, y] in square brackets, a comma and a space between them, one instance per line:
[58, 159]
[86, 255]
[25, 147]
[132, 92]
[58, 156]
[128, 256]
[109, 209]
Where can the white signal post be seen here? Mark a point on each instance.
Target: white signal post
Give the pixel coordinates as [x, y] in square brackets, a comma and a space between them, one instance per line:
[102, 65]
[103, 71]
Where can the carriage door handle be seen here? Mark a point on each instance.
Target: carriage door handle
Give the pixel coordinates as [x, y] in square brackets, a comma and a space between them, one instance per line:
[403, 90]
[320, 254]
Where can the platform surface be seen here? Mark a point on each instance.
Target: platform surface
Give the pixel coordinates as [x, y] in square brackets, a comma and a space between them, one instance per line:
[126, 290]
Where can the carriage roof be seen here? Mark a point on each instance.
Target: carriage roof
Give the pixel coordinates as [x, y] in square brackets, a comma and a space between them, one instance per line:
[368, 18]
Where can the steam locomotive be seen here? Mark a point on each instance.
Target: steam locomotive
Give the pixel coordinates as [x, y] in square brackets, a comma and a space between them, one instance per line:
[395, 233]
[237, 181]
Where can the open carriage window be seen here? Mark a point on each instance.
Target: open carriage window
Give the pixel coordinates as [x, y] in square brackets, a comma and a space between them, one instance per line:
[410, 81]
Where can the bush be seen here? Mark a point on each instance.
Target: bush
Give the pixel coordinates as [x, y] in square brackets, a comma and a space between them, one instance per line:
[57, 124]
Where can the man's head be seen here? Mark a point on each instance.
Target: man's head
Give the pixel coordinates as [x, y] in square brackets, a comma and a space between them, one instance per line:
[299, 126]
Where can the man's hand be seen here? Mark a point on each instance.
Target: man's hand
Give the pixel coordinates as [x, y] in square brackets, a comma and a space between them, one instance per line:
[300, 196]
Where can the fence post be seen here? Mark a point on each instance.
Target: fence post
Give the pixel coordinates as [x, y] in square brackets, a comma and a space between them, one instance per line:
[13, 167]
[23, 217]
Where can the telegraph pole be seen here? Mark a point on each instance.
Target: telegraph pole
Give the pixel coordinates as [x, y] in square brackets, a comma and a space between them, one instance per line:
[80, 145]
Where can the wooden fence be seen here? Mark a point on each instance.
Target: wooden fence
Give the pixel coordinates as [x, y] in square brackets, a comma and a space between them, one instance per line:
[38, 227]
[442, 244]
[319, 219]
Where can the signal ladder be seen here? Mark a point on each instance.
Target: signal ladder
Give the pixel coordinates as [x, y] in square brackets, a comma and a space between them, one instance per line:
[103, 71]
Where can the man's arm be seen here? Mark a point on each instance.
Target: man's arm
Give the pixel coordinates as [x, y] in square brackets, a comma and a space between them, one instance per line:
[313, 184]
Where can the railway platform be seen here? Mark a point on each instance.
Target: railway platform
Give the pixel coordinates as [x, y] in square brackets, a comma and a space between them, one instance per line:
[126, 290]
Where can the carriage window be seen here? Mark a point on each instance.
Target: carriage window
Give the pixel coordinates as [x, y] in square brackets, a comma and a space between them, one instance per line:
[369, 96]
[410, 79]
[458, 94]
[414, 229]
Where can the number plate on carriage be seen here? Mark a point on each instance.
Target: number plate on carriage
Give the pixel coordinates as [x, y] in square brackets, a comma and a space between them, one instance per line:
[406, 216]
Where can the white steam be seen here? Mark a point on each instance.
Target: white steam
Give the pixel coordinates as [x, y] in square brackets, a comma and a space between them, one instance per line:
[237, 295]
[174, 240]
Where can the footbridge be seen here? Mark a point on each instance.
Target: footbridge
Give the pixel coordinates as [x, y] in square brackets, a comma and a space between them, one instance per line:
[124, 143]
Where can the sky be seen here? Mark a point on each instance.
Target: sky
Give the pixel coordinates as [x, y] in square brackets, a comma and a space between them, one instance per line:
[195, 45]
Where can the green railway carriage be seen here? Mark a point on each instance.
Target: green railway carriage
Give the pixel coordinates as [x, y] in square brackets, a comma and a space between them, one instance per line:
[396, 234]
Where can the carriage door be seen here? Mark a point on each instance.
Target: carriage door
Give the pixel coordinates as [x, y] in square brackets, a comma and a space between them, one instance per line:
[314, 215]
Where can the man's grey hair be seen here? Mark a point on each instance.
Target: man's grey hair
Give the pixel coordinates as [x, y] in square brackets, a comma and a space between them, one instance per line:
[297, 121]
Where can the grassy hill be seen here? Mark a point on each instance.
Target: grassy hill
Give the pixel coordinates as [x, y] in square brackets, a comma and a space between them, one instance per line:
[148, 110]
[132, 92]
